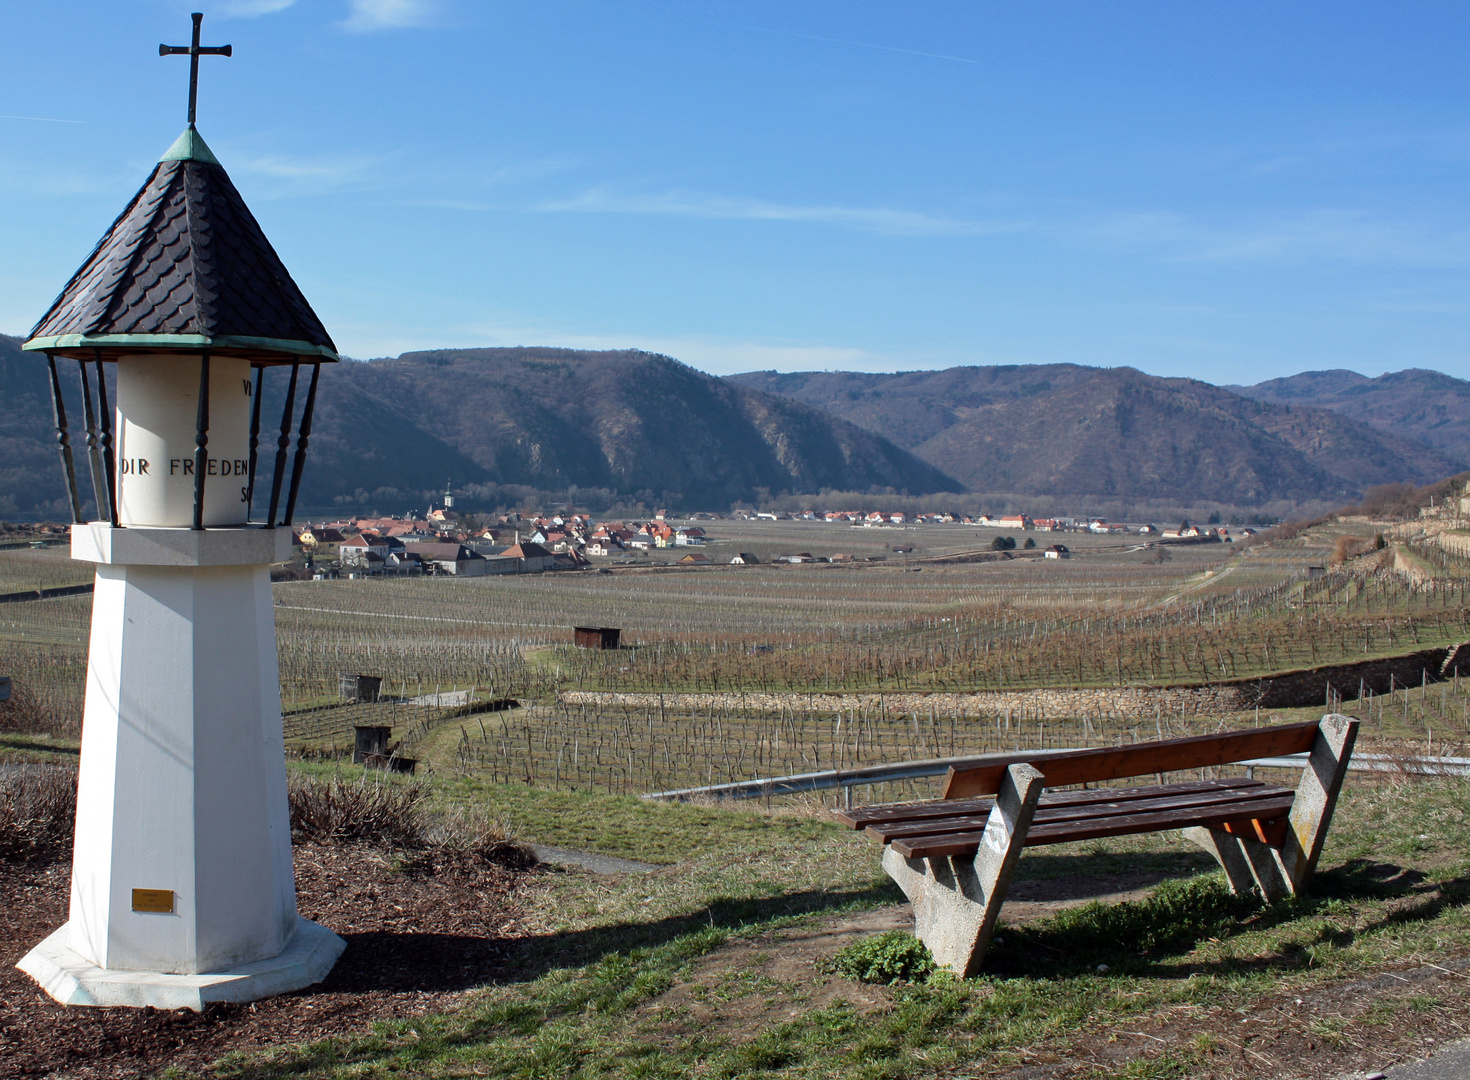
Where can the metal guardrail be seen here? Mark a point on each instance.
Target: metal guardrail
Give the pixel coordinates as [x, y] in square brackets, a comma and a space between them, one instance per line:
[915, 770]
[46, 594]
[832, 778]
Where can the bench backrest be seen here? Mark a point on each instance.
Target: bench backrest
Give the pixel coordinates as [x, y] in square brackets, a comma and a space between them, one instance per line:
[1136, 759]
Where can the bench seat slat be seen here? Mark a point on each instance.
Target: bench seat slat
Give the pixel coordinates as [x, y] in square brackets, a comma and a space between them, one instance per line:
[1164, 798]
[863, 816]
[953, 844]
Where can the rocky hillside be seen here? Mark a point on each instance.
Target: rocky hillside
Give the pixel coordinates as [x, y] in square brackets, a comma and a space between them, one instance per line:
[1063, 429]
[1417, 404]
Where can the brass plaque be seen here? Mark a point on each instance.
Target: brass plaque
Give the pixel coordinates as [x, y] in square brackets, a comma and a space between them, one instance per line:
[156, 900]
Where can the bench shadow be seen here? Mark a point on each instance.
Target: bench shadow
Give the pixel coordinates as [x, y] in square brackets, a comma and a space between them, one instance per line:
[1073, 946]
[1035, 866]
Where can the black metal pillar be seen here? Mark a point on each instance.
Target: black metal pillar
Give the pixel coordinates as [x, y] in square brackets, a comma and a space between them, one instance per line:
[254, 439]
[63, 440]
[201, 441]
[94, 453]
[104, 442]
[303, 437]
[282, 442]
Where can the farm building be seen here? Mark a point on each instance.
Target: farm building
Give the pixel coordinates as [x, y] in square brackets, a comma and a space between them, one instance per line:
[596, 637]
[449, 558]
[531, 558]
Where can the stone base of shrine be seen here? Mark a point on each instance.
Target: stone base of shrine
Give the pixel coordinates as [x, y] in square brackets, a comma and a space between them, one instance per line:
[73, 980]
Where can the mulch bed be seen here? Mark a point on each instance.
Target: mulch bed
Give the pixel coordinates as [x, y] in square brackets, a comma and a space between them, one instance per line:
[417, 938]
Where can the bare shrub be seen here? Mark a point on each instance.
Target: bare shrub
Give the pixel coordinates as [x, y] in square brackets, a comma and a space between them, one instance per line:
[327, 809]
[23, 714]
[467, 835]
[38, 809]
[1349, 547]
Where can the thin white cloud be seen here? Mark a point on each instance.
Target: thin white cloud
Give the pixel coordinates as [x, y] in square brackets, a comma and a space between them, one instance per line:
[366, 16]
[43, 119]
[1314, 235]
[250, 9]
[293, 176]
[871, 219]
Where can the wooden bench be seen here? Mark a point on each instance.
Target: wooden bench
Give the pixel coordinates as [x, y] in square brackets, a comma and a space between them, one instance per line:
[954, 857]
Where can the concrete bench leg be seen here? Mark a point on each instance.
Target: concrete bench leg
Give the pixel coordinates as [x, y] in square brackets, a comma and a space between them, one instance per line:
[1250, 864]
[1316, 798]
[957, 900]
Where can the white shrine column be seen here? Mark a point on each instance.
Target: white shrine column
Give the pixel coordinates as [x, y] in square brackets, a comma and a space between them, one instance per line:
[183, 890]
[182, 884]
[183, 778]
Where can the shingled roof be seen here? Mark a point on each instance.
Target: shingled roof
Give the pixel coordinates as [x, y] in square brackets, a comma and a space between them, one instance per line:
[187, 266]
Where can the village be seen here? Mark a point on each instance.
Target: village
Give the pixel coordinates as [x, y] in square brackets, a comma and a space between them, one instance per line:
[447, 542]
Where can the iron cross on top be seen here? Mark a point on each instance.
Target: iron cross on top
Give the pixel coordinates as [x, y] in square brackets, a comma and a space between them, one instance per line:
[194, 52]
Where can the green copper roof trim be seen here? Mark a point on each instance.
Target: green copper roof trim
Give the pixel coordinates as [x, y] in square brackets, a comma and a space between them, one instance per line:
[179, 341]
[190, 146]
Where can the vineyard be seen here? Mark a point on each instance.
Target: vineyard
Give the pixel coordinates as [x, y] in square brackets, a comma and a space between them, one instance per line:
[446, 648]
[634, 750]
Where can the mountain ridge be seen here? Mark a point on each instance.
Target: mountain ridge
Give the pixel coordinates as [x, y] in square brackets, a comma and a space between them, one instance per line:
[1071, 430]
[1429, 405]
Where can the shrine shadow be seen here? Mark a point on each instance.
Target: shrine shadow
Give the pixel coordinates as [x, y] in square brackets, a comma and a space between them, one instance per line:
[16, 741]
[391, 961]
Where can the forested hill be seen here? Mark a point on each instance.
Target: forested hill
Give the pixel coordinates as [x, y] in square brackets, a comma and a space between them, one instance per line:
[1425, 405]
[634, 425]
[613, 424]
[1064, 429]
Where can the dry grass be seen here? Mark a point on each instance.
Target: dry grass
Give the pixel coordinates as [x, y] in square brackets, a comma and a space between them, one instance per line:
[38, 805]
[25, 713]
[381, 811]
[325, 809]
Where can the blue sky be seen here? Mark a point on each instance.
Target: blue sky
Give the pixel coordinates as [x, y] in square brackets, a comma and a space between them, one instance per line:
[1229, 191]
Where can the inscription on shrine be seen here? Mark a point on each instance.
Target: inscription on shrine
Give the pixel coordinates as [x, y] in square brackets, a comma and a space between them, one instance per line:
[217, 467]
[155, 901]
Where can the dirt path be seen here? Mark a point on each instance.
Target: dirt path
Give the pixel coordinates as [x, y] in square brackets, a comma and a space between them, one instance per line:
[730, 988]
[1209, 578]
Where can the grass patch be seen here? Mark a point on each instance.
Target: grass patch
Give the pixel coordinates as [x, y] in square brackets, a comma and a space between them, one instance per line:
[631, 827]
[1176, 915]
[51, 749]
[598, 995]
